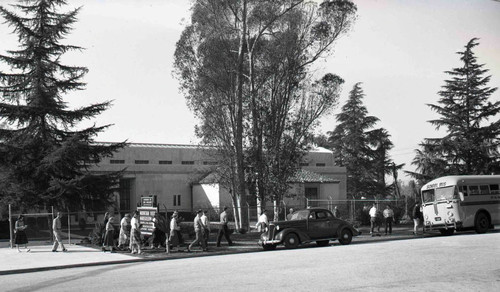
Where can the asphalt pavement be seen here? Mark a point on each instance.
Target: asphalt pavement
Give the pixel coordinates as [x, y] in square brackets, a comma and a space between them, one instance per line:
[463, 262]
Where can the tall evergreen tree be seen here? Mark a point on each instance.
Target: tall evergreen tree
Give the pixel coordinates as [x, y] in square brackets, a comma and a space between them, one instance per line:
[360, 148]
[44, 159]
[471, 145]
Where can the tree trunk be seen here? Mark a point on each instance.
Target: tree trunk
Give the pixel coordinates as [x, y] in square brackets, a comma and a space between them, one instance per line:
[240, 168]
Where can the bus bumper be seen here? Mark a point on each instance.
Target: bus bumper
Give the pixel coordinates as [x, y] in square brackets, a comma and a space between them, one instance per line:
[429, 226]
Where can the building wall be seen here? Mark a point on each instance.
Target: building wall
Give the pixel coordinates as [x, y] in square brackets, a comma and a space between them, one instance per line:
[206, 195]
[166, 170]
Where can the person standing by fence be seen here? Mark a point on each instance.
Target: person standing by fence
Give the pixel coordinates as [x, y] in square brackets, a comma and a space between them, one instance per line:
[373, 218]
[223, 229]
[388, 219]
[56, 228]
[20, 235]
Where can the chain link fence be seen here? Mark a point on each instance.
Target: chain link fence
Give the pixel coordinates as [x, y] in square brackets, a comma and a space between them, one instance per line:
[88, 226]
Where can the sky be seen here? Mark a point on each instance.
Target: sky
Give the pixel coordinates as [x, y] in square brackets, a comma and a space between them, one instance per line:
[398, 49]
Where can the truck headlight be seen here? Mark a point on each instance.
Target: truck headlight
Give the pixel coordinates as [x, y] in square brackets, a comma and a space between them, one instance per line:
[450, 214]
[277, 227]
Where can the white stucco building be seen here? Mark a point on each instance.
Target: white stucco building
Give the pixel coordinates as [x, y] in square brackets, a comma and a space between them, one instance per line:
[179, 176]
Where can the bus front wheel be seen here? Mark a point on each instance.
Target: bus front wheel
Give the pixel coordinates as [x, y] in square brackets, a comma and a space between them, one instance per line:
[482, 222]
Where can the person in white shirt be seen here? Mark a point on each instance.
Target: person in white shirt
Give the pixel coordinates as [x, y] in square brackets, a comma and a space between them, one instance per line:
[206, 226]
[388, 219]
[198, 229]
[56, 227]
[373, 218]
[263, 222]
[135, 234]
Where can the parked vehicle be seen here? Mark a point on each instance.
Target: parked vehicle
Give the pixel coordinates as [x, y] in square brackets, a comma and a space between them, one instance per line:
[304, 226]
[461, 202]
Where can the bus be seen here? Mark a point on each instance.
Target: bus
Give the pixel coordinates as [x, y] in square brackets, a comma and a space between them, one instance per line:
[461, 202]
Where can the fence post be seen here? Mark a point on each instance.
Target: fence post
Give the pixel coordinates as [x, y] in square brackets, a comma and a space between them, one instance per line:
[10, 226]
[51, 226]
[69, 228]
[248, 215]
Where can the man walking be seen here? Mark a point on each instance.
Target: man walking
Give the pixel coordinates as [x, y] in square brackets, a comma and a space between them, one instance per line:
[198, 229]
[388, 218]
[223, 230]
[206, 225]
[56, 229]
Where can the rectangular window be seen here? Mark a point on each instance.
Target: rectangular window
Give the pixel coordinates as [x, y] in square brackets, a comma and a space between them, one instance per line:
[177, 200]
[187, 162]
[321, 164]
[494, 189]
[209, 162]
[165, 162]
[304, 164]
[484, 190]
[142, 162]
[116, 161]
[473, 190]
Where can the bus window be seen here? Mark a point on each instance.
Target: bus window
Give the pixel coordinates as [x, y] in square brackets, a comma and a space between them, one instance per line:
[474, 190]
[428, 196]
[447, 193]
[494, 189]
[484, 190]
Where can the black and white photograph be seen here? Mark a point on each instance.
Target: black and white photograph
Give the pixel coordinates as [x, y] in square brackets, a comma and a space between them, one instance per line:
[249, 145]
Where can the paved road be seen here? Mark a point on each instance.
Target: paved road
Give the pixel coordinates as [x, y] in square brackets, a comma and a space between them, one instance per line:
[467, 262]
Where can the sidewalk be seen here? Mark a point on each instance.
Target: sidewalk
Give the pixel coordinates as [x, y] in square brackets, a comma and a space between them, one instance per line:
[41, 258]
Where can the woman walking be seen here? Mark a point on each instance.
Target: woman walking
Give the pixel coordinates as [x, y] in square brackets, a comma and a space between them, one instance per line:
[20, 237]
[175, 239]
[135, 234]
[109, 238]
[124, 237]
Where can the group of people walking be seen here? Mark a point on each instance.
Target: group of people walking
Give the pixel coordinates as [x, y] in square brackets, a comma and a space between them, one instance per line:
[20, 237]
[130, 234]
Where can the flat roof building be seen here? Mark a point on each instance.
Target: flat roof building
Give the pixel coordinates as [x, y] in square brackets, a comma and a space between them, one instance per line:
[179, 176]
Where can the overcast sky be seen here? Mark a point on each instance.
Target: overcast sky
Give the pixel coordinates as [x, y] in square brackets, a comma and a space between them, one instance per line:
[398, 49]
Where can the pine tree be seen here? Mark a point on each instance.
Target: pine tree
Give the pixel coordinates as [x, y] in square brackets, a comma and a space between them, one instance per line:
[44, 159]
[471, 145]
[351, 144]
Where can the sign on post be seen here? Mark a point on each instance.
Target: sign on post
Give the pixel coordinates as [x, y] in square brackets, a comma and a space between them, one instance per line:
[147, 212]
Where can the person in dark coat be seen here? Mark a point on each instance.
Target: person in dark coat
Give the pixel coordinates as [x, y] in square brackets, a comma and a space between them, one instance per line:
[20, 235]
[109, 238]
[417, 217]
